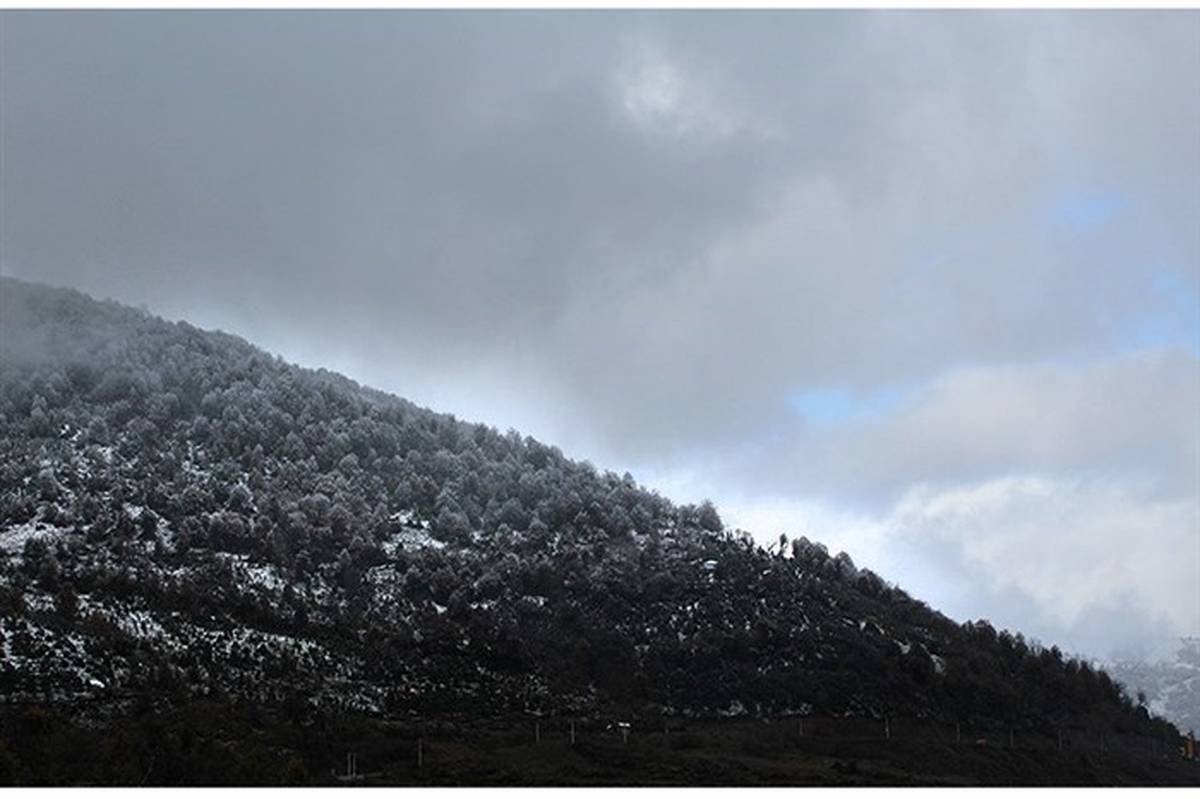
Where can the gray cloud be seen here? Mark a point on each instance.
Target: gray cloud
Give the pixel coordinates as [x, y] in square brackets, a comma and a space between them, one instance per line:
[642, 235]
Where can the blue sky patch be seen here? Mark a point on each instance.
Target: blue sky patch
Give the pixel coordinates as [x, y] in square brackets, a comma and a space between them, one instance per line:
[1087, 210]
[833, 404]
[1175, 319]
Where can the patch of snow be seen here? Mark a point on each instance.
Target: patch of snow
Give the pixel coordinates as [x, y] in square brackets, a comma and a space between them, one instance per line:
[263, 574]
[140, 624]
[735, 708]
[411, 537]
[13, 539]
[407, 517]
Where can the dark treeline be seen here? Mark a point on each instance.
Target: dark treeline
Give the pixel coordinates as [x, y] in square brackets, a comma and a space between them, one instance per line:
[238, 743]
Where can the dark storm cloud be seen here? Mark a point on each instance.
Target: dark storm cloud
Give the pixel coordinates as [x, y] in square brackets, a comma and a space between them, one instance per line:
[663, 240]
[453, 176]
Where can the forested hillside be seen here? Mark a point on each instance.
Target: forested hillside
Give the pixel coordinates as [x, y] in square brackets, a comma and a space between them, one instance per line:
[184, 517]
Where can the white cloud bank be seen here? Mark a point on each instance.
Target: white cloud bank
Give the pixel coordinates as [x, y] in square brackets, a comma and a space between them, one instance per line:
[1060, 499]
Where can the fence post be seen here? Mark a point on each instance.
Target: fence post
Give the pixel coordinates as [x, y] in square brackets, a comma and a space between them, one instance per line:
[957, 732]
[801, 726]
[420, 753]
[887, 728]
[572, 733]
[537, 732]
[1060, 740]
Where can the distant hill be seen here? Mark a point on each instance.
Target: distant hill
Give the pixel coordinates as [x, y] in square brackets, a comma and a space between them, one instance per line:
[187, 519]
[1171, 688]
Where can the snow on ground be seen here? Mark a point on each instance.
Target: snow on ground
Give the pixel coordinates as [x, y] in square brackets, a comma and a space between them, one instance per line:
[140, 624]
[263, 574]
[410, 538]
[407, 518]
[12, 540]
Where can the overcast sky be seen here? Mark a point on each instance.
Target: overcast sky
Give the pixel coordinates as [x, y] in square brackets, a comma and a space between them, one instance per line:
[923, 286]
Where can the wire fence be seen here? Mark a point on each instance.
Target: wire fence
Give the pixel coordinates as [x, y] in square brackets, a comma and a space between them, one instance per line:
[775, 737]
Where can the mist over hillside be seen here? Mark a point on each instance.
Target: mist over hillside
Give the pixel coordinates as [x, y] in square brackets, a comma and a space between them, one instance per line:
[1169, 687]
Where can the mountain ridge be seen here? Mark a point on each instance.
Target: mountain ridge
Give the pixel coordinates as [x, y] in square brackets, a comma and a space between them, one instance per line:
[185, 517]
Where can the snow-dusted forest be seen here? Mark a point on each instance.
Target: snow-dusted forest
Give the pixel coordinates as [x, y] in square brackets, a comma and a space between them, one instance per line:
[185, 518]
